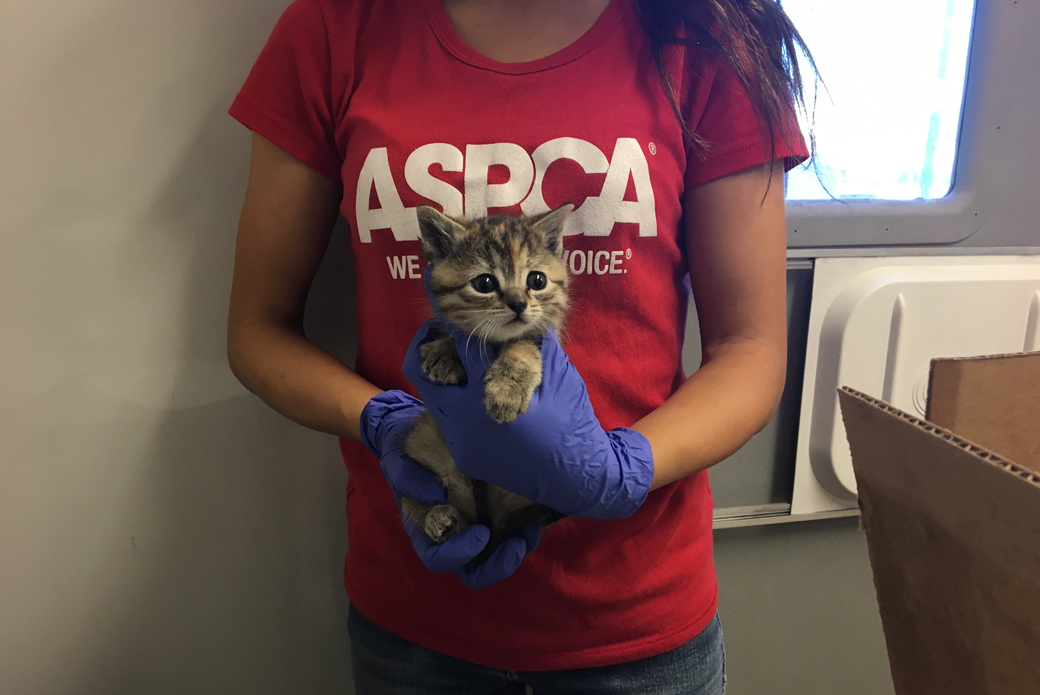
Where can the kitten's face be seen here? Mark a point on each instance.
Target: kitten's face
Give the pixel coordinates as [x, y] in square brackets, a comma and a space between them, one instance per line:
[498, 278]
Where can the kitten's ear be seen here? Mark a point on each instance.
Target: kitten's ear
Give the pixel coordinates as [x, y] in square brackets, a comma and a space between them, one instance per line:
[551, 224]
[438, 232]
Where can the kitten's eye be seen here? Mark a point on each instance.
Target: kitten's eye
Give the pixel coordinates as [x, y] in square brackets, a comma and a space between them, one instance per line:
[536, 280]
[485, 283]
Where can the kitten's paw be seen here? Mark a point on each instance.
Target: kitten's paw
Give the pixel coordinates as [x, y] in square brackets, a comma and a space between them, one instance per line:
[443, 522]
[441, 363]
[507, 393]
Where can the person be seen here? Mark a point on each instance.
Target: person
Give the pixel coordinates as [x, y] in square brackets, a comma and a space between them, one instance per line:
[670, 124]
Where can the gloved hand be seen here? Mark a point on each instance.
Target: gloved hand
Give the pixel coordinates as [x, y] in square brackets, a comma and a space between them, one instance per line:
[385, 422]
[556, 453]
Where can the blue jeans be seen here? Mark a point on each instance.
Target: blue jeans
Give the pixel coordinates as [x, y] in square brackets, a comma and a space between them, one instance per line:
[385, 664]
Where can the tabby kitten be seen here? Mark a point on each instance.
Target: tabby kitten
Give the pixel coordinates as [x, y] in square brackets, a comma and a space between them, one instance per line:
[503, 281]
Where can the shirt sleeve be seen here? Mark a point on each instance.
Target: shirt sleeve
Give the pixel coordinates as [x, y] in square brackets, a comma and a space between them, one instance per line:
[721, 113]
[287, 97]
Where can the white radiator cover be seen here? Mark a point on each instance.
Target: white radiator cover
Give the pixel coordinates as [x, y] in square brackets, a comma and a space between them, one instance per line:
[876, 324]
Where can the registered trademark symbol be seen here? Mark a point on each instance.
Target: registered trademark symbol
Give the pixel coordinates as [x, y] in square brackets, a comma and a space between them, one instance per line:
[653, 148]
[628, 253]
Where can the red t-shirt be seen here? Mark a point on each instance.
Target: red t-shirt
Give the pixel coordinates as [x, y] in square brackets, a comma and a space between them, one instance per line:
[385, 97]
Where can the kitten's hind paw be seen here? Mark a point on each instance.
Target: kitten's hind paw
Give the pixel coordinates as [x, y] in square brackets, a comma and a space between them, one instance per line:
[443, 522]
[441, 363]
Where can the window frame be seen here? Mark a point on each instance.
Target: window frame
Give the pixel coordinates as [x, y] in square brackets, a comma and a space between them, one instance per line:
[947, 220]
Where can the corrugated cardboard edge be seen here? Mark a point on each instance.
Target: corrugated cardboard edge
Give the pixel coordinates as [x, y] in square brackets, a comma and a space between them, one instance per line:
[953, 533]
[981, 452]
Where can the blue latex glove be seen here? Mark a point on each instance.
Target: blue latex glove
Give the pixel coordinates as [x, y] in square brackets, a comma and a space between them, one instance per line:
[556, 453]
[385, 421]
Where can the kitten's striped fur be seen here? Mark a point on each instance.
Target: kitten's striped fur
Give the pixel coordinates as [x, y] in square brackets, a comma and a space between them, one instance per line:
[512, 318]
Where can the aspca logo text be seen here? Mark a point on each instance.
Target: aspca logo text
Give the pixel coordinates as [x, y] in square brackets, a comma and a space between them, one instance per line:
[596, 216]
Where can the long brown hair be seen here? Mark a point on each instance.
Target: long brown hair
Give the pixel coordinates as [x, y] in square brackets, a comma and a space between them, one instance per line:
[756, 38]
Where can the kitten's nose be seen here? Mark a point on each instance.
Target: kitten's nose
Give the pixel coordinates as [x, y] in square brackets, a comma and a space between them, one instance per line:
[517, 304]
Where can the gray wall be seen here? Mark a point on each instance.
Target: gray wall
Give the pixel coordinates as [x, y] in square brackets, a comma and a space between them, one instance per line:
[799, 612]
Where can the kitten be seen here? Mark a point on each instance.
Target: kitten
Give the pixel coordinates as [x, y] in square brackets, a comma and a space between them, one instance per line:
[502, 280]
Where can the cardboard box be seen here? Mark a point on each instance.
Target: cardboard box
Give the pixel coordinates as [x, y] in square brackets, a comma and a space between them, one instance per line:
[951, 510]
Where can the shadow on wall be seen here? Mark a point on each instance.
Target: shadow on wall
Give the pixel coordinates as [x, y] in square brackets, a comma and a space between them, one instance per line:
[234, 580]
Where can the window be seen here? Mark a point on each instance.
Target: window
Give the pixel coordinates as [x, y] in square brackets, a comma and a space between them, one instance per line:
[887, 122]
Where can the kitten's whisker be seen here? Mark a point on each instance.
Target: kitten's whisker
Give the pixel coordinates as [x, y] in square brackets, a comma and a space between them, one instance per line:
[478, 332]
[469, 336]
[486, 328]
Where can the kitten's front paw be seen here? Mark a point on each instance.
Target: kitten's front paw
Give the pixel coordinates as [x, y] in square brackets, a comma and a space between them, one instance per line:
[507, 393]
[443, 522]
[441, 363]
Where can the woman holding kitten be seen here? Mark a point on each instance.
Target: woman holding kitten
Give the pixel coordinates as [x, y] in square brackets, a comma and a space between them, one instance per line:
[669, 124]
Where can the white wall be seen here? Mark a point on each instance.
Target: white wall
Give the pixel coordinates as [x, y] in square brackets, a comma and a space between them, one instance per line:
[160, 530]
